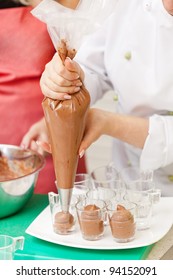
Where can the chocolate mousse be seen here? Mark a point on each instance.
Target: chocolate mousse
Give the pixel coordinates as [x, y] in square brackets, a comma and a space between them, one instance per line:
[63, 222]
[12, 168]
[91, 222]
[122, 224]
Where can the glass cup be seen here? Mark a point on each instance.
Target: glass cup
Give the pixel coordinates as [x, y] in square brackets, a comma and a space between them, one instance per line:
[81, 186]
[122, 220]
[83, 179]
[155, 195]
[140, 192]
[147, 186]
[63, 222]
[8, 246]
[133, 173]
[91, 216]
[105, 173]
[105, 194]
[107, 176]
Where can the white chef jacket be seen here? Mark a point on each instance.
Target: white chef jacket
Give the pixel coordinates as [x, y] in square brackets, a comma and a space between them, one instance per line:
[132, 54]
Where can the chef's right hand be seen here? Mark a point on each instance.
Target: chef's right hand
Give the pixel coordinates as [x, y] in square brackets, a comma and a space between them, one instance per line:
[60, 81]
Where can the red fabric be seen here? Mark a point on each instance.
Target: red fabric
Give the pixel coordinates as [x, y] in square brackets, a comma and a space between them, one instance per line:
[25, 48]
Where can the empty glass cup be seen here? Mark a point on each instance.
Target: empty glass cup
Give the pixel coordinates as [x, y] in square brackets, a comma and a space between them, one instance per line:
[107, 176]
[105, 194]
[155, 195]
[147, 186]
[139, 192]
[8, 246]
[105, 173]
[81, 186]
[83, 179]
[133, 173]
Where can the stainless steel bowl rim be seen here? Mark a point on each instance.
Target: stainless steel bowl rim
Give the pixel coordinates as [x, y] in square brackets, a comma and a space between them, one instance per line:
[41, 158]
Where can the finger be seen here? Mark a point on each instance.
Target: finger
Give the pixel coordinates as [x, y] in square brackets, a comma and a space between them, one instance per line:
[88, 139]
[81, 153]
[59, 95]
[71, 65]
[74, 67]
[34, 146]
[56, 82]
[26, 141]
[44, 145]
[55, 91]
[53, 94]
[58, 68]
[61, 85]
[83, 147]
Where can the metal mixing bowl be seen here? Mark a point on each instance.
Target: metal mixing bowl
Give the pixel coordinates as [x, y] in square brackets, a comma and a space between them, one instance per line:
[15, 192]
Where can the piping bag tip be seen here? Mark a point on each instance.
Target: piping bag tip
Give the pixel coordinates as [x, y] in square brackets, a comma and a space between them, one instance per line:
[65, 198]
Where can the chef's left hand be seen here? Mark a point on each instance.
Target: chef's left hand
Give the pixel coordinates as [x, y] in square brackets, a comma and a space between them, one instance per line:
[168, 4]
[37, 138]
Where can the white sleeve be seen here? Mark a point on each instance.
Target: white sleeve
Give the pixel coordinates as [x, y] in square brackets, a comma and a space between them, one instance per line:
[91, 58]
[158, 148]
[164, 18]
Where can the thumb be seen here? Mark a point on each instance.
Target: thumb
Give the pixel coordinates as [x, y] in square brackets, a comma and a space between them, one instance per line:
[44, 145]
[73, 66]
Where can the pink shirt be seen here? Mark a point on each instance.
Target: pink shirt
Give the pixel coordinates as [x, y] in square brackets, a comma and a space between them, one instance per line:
[25, 48]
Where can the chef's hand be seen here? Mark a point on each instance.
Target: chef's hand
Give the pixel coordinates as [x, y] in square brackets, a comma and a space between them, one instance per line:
[59, 80]
[129, 129]
[95, 127]
[168, 4]
[35, 135]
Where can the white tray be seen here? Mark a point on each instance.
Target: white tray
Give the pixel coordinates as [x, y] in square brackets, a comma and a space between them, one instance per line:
[162, 221]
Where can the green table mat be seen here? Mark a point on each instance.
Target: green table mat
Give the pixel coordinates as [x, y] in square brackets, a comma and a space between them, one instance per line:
[37, 249]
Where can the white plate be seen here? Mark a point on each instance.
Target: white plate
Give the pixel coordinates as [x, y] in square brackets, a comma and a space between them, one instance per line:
[162, 221]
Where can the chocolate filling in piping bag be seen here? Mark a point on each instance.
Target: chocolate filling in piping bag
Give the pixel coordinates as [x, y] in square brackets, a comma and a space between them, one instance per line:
[66, 122]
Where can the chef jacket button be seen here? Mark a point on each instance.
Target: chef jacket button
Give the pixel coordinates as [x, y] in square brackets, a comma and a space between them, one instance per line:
[147, 5]
[115, 98]
[128, 55]
[129, 163]
[170, 177]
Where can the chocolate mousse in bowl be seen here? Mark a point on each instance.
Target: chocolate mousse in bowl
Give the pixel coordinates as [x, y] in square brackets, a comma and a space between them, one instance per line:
[122, 221]
[91, 216]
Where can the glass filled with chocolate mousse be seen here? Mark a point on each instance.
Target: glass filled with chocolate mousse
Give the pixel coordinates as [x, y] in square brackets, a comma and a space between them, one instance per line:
[91, 216]
[122, 220]
[63, 222]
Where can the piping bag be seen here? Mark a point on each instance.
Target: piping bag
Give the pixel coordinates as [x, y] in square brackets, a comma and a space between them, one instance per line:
[67, 26]
[66, 123]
